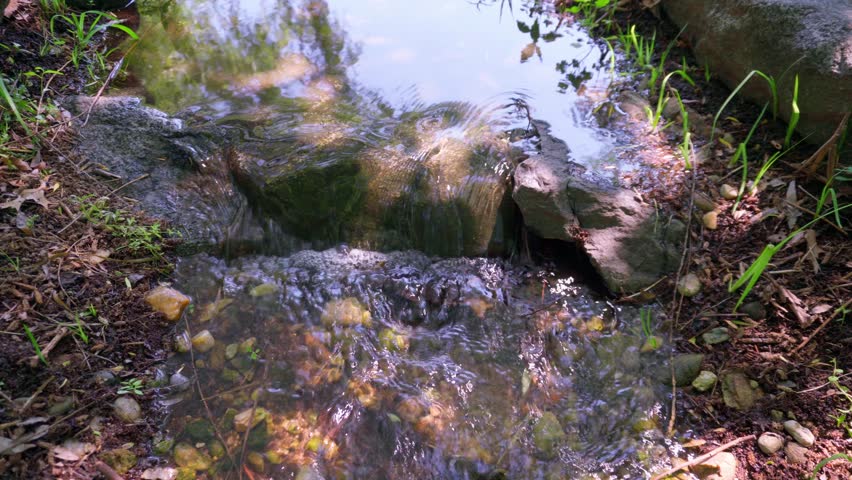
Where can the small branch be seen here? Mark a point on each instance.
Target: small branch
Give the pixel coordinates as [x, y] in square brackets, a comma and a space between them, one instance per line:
[697, 460]
[107, 471]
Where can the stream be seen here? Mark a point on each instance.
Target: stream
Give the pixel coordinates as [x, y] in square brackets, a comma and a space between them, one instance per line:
[393, 324]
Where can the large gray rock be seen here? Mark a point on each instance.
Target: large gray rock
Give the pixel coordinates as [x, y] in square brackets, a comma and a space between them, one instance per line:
[811, 38]
[626, 241]
[178, 174]
[436, 184]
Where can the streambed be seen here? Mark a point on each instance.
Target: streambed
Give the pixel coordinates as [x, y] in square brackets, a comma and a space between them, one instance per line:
[392, 127]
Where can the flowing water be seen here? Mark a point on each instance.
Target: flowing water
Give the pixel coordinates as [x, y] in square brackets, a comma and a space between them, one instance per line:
[394, 124]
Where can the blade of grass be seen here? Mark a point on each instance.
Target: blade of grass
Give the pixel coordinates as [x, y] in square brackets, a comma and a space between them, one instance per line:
[11, 102]
[794, 114]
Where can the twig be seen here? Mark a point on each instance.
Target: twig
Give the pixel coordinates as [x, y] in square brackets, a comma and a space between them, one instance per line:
[701, 458]
[140, 177]
[34, 395]
[822, 325]
[107, 471]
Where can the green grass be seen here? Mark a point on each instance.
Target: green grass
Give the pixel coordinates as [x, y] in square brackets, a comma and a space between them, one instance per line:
[655, 115]
[772, 87]
[753, 273]
[34, 343]
[136, 237]
[84, 26]
[794, 113]
[646, 318]
[12, 104]
[685, 146]
[819, 466]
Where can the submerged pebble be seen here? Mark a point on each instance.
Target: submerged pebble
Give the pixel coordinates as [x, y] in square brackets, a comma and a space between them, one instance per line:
[203, 341]
[127, 409]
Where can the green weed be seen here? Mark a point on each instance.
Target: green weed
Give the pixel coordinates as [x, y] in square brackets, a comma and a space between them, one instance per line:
[772, 87]
[819, 466]
[34, 343]
[685, 145]
[137, 237]
[655, 115]
[84, 29]
[842, 390]
[646, 318]
[131, 386]
[14, 262]
[753, 273]
[12, 104]
[794, 115]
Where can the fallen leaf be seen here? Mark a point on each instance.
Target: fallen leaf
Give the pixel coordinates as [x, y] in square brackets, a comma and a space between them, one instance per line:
[814, 250]
[796, 304]
[97, 257]
[35, 194]
[793, 213]
[214, 308]
[821, 308]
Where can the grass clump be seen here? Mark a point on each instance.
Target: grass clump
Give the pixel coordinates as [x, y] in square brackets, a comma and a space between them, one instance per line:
[136, 237]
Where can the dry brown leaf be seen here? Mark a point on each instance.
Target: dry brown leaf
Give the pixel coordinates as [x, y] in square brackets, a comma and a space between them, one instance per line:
[796, 305]
[793, 213]
[820, 309]
[814, 250]
[34, 194]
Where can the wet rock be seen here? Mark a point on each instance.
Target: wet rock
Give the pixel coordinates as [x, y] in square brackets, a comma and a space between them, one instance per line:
[796, 453]
[716, 336]
[167, 301]
[802, 435]
[244, 421]
[182, 342]
[595, 324]
[711, 220]
[308, 473]
[179, 382]
[689, 285]
[704, 381]
[121, 460]
[203, 341]
[703, 202]
[264, 289]
[180, 173]
[728, 192]
[619, 232]
[127, 409]
[547, 434]
[61, 405]
[160, 473]
[770, 442]
[164, 446]
[231, 351]
[722, 466]
[199, 430]
[190, 457]
[776, 415]
[216, 449]
[392, 340]
[104, 377]
[783, 39]
[652, 343]
[347, 312]
[256, 461]
[754, 310]
[438, 193]
[738, 392]
[686, 369]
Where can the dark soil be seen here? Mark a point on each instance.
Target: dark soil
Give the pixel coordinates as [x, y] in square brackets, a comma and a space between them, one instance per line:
[778, 346]
[52, 284]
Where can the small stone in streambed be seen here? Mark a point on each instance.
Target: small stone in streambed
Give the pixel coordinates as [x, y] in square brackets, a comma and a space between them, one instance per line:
[188, 456]
[231, 351]
[104, 377]
[776, 415]
[62, 406]
[547, 434]
[686, 369]
[203, 341]
[704, 381]
[689, 285]
[728, 192]
[127, 409]
[243, 420]
[121, 460]
[738, 391]
[199, 430]
[803, 436]
[160, 473]
[595, 324]
[179, 382]
[651, 344]
[167, 301]
[770, 442]
[754, 310]
[308, 473]
[263, 290]
[711, 220]
[796, 453]
[703, 202]
[182, 343]
[715, 336]
[722, 466]
[164, 446]
[256, 461]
